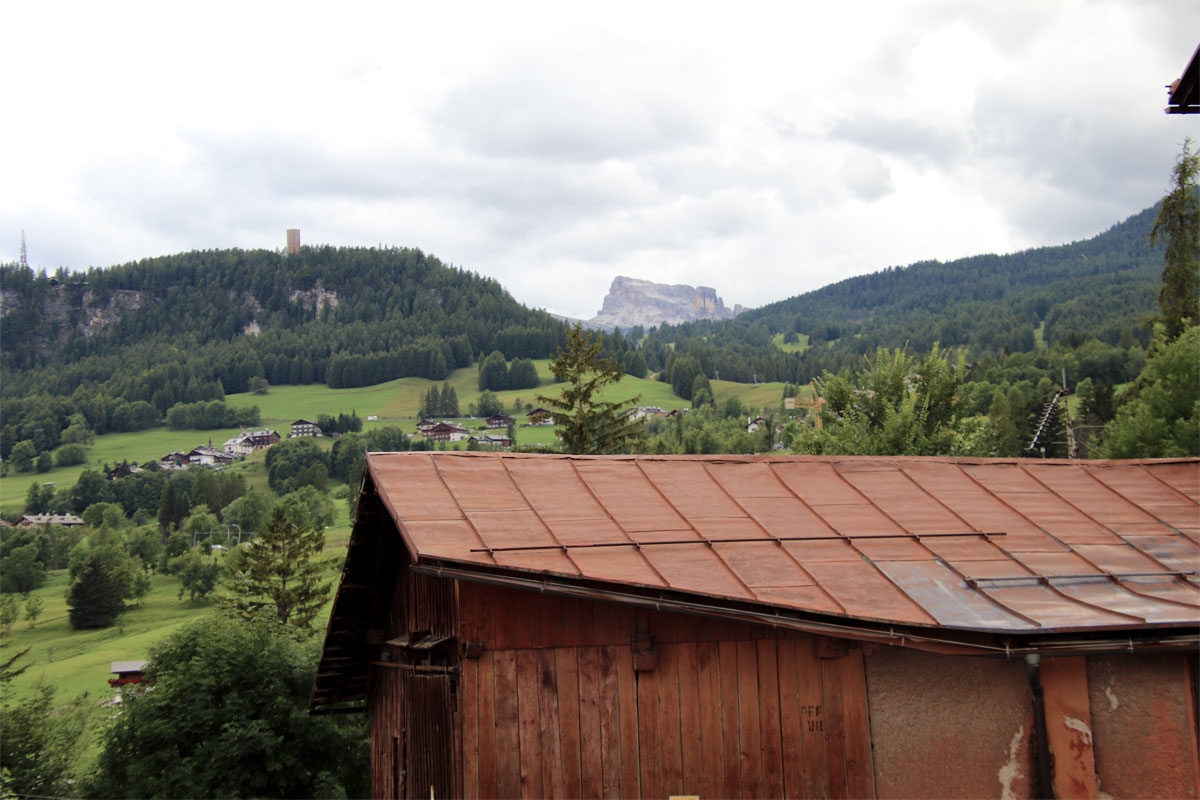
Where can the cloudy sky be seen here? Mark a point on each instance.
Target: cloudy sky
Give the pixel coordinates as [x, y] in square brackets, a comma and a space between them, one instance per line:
[764, 152]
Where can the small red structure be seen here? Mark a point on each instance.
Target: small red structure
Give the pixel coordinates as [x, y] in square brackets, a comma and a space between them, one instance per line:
[771, 626]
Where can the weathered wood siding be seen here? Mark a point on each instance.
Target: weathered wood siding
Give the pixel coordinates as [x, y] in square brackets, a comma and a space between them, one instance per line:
[554, 706]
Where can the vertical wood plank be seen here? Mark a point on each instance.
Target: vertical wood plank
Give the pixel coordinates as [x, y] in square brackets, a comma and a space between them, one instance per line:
[610, 722]
[630, 746]
[550, 609]
[591, 771]
[568, 715]
[768, 709]
[548, 708]
[790, 723]
[667, 679]
[860, 767]
[529, 731]
[571, 622]
[748, 727]
[712, 756]
[1069, 725]
[468, 714]
[812, 720]
[508, 742]
[691, 727]
[648, 733]
[835, 729]
[487, 728]
[730, 731]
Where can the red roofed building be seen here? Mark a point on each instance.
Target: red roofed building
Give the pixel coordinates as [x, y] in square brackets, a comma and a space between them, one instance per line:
[770, 626]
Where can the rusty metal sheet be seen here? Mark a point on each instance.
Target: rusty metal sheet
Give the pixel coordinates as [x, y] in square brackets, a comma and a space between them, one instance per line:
[1119, 558]
[555, 561]
[481, 485]
[859, 519]
[554, 489]
[1176, 553]
[810, 552]
[1181, 517]
[695, 568]
[635, 504]
[716, 530]
[816, 482]
[515, 528]
[906, 502]
[947, 598]
[808, 598]
[1103, 593]
[786, 516]
[967, 548]
[424, 496]
[624, 565]
[762, 564]
[1091, 496]
[1055, 563]
[1183, 593]
[1051, 609]
[941, 478]
[688, 487]
[747, 480]
[864, 592]
[996, 568]
[1003, 478]
[988, 513]
[454, 538]
[586, 531]
[879, 549]
[1154, 485]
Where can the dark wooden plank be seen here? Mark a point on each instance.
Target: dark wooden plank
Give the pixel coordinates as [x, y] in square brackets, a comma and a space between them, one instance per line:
[468, 703]
[768, 710]
[708, 701]
[591, 770]
[521, 620]
[630, 747]
[610, 722]
[551, 618]
[691, 730]
[748, 723]
[835, 729]
[508, 743]
[572, 608]
[790, 723]
[568, 716]
[812, 720]
[860, 767]
[667, 678]
[648, 734]
[529, 732]
[487, 728]
[1069, 725]
[730, 731]
[551, 746]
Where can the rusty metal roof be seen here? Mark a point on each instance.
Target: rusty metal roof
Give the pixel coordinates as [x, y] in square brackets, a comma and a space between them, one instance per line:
[953, 555]
[983, 545]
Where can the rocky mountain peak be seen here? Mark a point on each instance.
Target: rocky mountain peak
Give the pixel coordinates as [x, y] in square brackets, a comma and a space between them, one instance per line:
[632, 301]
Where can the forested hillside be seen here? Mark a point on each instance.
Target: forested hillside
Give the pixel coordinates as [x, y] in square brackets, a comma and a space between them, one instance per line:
[123, 345]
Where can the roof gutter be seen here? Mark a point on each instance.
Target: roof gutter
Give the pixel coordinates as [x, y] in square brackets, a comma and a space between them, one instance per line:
[883, 634]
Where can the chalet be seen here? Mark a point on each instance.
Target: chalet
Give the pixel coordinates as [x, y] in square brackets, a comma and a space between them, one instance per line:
[770, 626]
[641, 412]
[540, 416]
[446, 432]
[492, 441]
[176, 459]
[755, 424]
[260, 440]
[240, 445]
[66, 520]
[500, 421]
[305, 427]
[425, 425]
[208, 456]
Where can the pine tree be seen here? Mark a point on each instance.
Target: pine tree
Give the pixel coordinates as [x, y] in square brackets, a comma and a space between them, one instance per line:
[280, 576]
[1178, 222]
[584, 423]
[96, 597]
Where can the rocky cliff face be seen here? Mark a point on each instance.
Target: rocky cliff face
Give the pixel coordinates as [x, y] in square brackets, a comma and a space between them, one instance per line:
[631, 301]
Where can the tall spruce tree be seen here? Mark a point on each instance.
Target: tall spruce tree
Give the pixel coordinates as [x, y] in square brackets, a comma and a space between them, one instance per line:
[97, 597]
[280, 576]
[1178, 223]
[586, 424]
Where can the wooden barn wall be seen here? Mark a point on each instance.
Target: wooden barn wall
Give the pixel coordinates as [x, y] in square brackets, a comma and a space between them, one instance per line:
[554, 707]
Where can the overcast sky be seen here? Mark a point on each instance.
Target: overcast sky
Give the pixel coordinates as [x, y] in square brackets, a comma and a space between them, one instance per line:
[763, 151]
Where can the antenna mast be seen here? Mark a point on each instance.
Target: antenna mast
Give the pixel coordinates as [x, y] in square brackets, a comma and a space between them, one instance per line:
[24, 258]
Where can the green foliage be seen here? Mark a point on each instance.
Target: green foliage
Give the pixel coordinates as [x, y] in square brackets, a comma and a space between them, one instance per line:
[493, 372]
[198, 574]
[280, 577]
[488, 404]
[228, 718]
[1178, 224]
[1162, 415]
[287, 458]
[249, 512]
[39, 740]
[21, 571]
[206, 416]
[97, 595]
[34, 606]
[10, 612]
[584, 423]
[900, 405]
[69, 455]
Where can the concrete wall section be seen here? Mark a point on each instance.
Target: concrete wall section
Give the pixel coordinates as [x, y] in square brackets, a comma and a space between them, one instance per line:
[949, 726]
[1143, 725]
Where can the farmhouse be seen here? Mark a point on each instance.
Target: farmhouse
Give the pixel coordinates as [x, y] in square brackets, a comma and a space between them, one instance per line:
[771, 626]
[66, 520]
[500, 421]
[305, 427]
[446, 432]
[540, 416]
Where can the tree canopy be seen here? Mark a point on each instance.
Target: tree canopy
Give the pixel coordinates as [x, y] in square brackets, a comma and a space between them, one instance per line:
[1178, 223]
[585, 423]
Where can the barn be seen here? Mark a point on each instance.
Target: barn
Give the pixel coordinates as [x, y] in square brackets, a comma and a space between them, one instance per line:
[771, 626]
